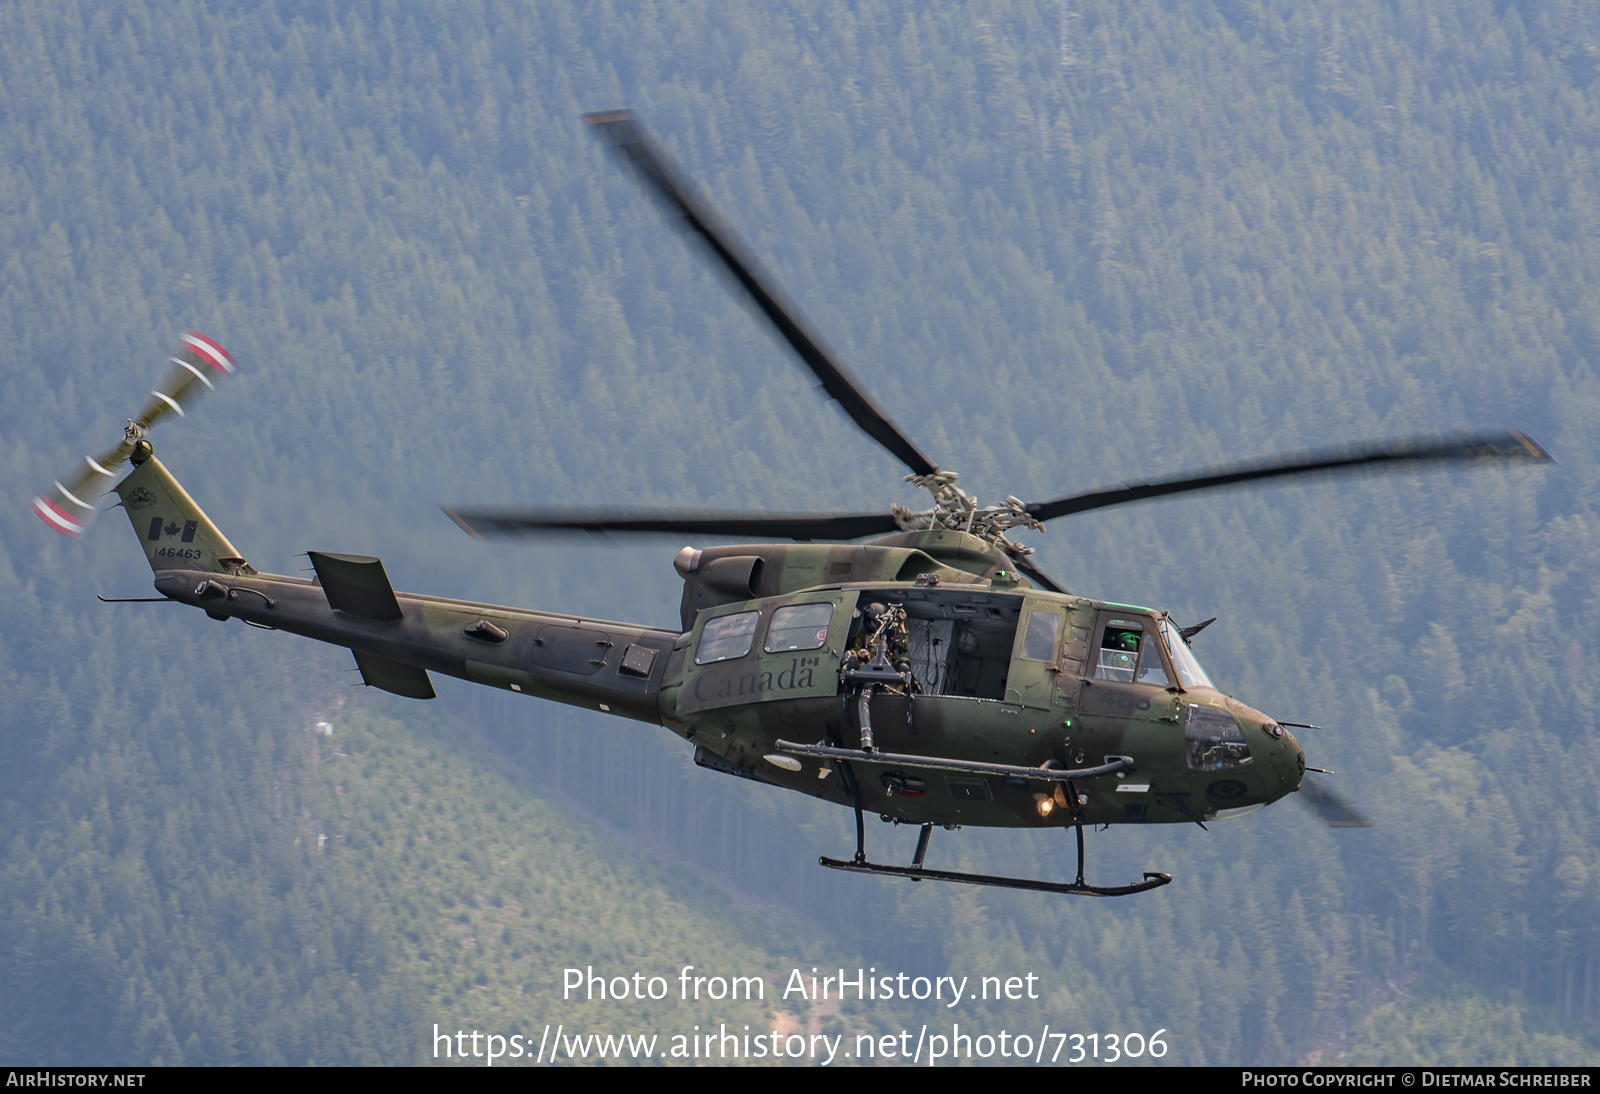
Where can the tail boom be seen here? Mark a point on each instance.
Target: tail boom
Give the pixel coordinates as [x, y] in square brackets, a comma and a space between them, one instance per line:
[614, 667]
[397, 638]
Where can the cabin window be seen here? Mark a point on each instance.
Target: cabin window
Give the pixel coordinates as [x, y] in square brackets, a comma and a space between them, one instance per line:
[1120, 643]
[799, 627]
[726, 637]
[1129, 655]
[1039, 644]
[1152, 670]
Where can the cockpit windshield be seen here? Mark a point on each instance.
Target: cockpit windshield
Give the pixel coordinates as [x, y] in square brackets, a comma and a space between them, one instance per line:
[1183, 659]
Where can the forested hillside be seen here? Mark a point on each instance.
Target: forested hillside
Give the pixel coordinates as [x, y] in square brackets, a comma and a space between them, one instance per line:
[1067, 244]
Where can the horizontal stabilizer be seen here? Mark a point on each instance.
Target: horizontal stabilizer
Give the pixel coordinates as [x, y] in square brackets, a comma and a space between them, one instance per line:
[357, 584]
[404, 680]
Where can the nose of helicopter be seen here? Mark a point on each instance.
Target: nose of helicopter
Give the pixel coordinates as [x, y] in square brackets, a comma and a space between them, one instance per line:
[1274, 746]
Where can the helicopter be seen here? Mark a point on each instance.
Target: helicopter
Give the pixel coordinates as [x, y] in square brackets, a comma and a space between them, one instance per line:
[933, 675]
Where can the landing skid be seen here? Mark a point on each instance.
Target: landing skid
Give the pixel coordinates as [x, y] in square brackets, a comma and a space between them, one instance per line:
[917, 872]
[1151, 881]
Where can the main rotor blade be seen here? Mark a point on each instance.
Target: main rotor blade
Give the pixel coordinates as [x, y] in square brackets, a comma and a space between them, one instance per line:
[1330, 807]
[1025, 565]
[801, 526]
[636, 148]
[1388, 454]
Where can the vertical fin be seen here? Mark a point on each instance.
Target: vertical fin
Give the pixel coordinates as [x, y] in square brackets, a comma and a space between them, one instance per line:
[175, 533]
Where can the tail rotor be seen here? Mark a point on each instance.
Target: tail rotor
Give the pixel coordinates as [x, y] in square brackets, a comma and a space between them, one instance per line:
[199, 363]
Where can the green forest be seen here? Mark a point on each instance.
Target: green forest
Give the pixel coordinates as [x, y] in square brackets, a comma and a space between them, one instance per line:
[1067, 244]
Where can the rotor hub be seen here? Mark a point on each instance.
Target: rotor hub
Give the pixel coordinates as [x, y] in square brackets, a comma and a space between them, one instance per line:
[957, 510]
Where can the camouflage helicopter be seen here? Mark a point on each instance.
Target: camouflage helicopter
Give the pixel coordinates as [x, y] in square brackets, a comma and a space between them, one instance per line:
[934, 676]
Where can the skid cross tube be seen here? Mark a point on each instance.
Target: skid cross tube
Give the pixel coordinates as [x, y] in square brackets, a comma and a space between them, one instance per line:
[917, 872]
[848, 777]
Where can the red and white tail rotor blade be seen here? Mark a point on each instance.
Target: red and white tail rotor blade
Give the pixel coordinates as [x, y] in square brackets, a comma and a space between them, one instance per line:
[70, 505]
[199, 364]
